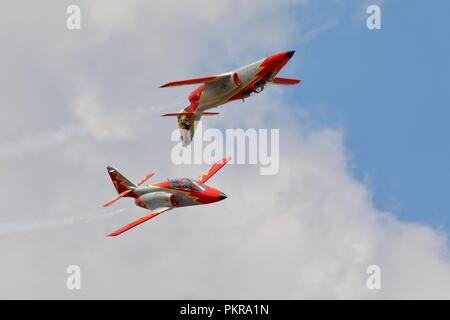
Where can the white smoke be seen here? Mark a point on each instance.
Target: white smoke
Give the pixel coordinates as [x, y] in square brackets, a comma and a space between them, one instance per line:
[14, 229]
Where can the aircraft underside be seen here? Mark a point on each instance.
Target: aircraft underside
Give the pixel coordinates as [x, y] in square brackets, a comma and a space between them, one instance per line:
[218, 90]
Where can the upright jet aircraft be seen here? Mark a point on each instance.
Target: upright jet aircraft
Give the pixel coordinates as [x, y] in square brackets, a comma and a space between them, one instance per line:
[217, 90]
[166, 195]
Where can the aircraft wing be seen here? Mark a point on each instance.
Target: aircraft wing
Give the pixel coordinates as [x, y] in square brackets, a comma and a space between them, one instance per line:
[212, 171]
[206, 80]
[133, 224]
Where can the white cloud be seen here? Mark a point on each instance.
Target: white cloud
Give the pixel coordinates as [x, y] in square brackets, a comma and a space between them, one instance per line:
[308, 232]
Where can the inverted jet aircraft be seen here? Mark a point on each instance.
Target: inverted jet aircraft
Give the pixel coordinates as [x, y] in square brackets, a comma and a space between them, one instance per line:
[218, 90]
[163, 196]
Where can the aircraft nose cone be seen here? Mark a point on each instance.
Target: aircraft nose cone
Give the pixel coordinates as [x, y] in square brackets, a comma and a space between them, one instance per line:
[289, 54]
[222, 196]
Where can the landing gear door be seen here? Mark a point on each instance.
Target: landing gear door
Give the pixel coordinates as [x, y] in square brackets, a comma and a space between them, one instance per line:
[257, 87]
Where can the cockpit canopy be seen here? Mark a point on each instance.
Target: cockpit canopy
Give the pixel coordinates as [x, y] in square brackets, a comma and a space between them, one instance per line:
[186, 184]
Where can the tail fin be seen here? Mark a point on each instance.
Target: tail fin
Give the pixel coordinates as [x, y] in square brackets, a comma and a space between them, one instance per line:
[124, 187]
[187, 122]
[121, 183]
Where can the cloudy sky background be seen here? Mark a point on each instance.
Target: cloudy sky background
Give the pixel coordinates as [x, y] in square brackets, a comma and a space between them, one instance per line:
[360, 183]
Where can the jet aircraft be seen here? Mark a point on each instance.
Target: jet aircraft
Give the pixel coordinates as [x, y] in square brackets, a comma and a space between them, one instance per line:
[163, 196]
[220, 89]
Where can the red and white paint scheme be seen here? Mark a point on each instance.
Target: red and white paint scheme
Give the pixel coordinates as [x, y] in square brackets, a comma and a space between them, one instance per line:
[235, 85]
[163, 196]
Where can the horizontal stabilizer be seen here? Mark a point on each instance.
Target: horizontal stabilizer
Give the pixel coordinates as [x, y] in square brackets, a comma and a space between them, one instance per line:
[285, 81]
[148, 176]
[123, 194]
[176, 114]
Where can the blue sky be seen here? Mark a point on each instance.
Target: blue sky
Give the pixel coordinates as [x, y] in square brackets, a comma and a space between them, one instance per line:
[389, 91]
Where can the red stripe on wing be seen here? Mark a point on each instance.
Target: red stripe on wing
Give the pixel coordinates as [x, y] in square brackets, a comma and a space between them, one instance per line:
[212, 171]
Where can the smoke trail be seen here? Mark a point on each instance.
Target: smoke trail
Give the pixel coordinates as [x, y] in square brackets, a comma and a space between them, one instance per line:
[26, 228]
[37, 141]
[97, 122]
